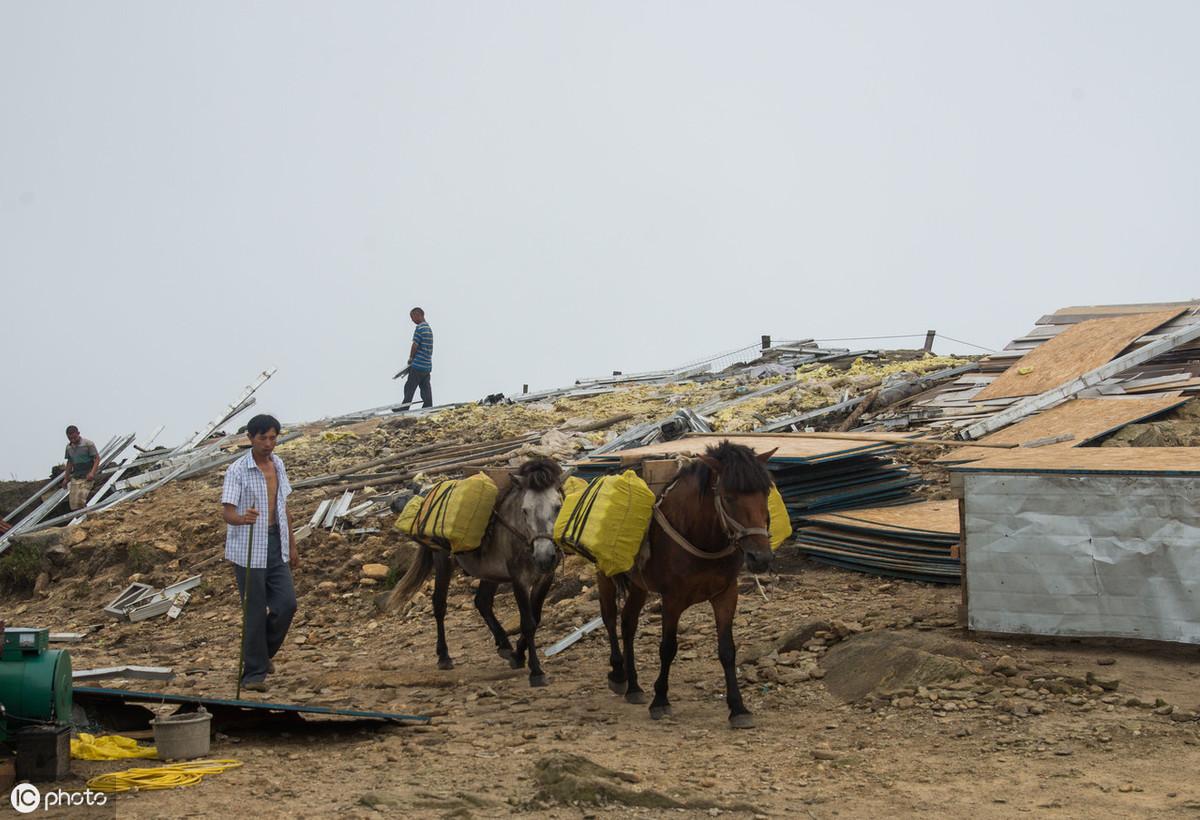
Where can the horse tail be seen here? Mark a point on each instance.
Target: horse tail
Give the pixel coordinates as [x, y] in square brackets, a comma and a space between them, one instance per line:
[621, 582]
[416, 575]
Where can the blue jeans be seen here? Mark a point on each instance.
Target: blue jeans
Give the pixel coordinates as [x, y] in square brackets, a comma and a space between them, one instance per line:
[269, 611]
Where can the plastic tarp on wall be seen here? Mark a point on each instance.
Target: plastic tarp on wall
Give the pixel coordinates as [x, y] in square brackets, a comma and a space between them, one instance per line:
[1086, 554]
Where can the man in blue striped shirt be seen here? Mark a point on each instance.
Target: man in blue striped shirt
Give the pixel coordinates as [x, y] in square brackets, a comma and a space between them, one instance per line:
[420, 360]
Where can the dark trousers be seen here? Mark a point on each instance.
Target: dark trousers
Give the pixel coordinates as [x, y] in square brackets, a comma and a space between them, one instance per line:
[269, 610]
[418, 379]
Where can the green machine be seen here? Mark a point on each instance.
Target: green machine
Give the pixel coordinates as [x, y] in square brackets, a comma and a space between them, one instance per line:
[35, 682]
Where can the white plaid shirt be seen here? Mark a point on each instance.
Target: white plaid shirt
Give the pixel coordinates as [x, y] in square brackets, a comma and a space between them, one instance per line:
[246, 487]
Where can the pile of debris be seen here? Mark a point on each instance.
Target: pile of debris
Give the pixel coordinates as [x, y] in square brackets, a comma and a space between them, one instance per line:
[147, 471]
[880, 412]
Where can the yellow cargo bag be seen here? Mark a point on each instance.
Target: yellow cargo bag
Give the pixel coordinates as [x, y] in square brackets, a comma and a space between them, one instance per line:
[406, 523]
[456, 511]
[573, 484]
[781, 522]
[607, 521]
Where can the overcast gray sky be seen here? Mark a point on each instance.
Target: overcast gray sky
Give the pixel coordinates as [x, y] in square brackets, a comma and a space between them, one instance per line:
[192, 192]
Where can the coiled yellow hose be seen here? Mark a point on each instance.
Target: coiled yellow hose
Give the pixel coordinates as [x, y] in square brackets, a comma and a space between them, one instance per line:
[173, 776]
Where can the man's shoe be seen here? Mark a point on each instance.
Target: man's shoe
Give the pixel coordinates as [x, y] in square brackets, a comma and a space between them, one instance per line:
[255, 686]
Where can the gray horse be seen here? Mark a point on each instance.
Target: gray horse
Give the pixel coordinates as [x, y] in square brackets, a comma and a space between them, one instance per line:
[517, 548]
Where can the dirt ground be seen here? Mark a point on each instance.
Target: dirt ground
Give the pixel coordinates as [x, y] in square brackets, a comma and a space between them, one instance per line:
[1000, 726]
[869, 698]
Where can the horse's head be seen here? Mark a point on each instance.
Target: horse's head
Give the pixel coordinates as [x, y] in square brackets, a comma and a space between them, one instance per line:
[741, 483]
[538, 485]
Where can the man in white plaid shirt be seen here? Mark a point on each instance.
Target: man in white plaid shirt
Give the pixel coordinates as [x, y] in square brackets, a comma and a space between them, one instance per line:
[264, 544]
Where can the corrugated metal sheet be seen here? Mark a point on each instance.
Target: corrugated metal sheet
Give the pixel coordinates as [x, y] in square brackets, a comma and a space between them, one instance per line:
[1100, 555]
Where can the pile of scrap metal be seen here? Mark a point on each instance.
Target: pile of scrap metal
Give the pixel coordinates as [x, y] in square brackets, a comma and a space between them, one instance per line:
[137, 475]
[138, 601]
[334, 514]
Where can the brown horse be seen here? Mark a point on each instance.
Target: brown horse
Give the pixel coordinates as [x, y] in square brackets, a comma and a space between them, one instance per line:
[711, 518]
[518, 547]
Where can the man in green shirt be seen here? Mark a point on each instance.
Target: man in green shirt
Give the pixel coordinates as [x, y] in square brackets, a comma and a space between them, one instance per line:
[83, 460]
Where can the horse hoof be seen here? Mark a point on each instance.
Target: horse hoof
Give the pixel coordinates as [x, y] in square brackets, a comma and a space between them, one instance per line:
[516, 662]
[660, 712]
[504, 652]
[618, 686]
[538, 680]
[742, 721]
[445, 663]
[636, 697]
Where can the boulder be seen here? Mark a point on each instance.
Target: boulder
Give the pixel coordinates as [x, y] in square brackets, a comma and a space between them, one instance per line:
[887, 661]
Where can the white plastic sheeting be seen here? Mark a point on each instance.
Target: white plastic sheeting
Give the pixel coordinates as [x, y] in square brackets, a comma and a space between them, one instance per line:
[1084, 554]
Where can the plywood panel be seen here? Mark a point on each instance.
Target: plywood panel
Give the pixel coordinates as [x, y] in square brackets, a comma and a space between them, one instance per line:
[1085, 419]
[1083, 460]
[1072, 353]
[926, 516]
[1123, 310]
[786, 447]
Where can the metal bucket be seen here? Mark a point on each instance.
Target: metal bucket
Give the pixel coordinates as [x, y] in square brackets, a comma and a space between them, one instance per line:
[183, 736]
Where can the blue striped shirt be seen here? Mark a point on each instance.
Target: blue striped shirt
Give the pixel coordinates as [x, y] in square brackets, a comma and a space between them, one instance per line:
[246, 487]
[423, 339]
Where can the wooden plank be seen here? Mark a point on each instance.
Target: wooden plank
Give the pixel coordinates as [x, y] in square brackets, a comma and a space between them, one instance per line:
[786, 447]
[501, 477]
[962, 560]
[1118, 310]
[889, 438]
[1077, 350]
[924, 516]
[1083, 460]
[1085, 419]
[1178, 385]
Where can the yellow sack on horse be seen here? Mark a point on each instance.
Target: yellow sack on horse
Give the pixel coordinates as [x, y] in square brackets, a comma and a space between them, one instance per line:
[781, 522]
[456, 511]
[607, 521]
[573, 484]
[407, 521]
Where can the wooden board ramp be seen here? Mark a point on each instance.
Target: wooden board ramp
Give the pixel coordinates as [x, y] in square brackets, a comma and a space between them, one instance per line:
[1083, 419]
[1078, 349]
[913, 541]
[1084, 460]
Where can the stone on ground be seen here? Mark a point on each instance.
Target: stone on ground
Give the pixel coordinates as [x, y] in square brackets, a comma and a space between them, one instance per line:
[887, 661]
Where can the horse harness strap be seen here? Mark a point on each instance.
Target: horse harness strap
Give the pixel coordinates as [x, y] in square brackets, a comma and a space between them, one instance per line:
[733, 529]
[687, 546]
[504, 522]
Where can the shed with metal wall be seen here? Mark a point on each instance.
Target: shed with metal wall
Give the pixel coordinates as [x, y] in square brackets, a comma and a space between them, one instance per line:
[1087, 542]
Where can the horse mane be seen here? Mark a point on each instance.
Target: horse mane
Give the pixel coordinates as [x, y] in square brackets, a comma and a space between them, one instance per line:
[741, 471]
[540, 473]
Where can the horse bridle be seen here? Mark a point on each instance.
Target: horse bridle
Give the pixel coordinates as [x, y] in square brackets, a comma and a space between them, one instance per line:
[529, 539]
[733, 529]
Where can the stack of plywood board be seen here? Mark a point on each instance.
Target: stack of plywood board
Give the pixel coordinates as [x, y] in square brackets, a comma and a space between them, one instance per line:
[1063, 347]
[1070, 424]
[813, 474]
[913, 541]
[1084, 541]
